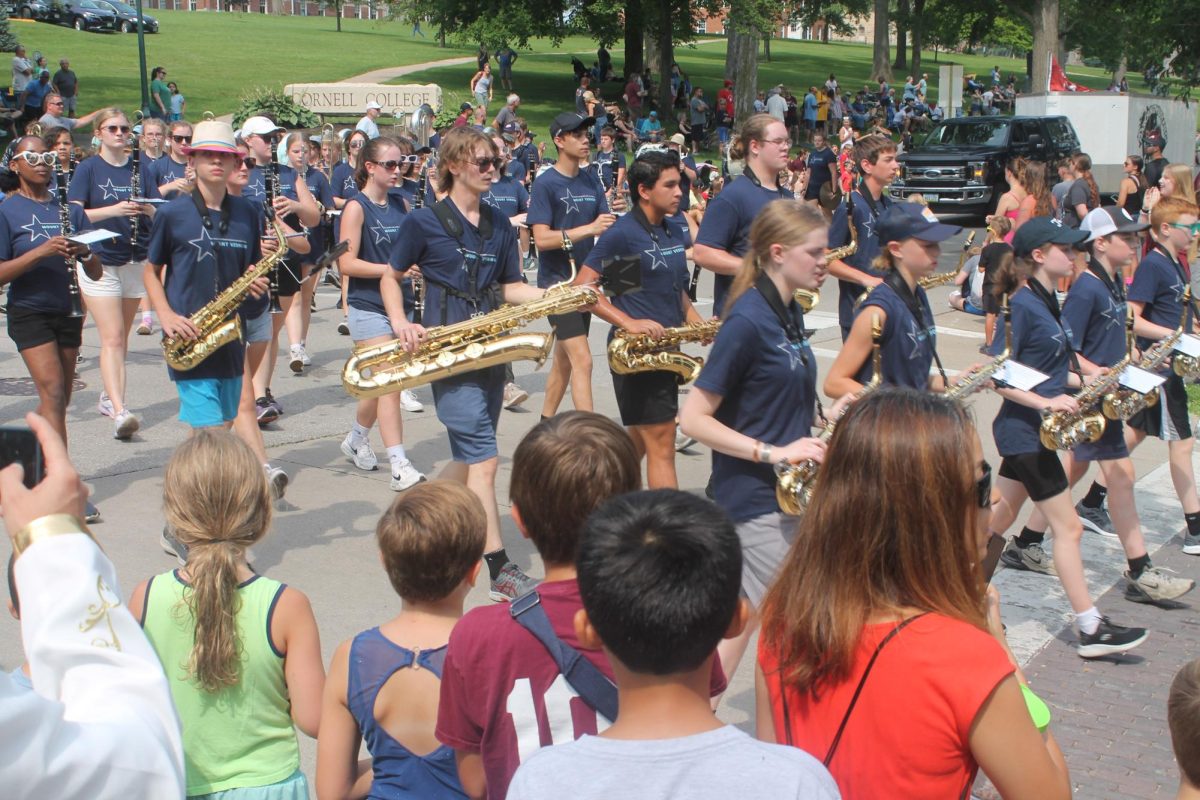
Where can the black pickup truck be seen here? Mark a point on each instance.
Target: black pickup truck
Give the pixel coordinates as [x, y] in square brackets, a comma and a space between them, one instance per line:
[959, 165]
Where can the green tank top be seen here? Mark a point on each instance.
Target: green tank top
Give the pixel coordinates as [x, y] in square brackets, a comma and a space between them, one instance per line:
[240, 736]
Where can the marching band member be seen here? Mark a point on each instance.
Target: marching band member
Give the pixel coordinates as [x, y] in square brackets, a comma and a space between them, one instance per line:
[910, 238]
[648, 401]
[299, 315]
[170, 173]
[153, 134]
[344, 187]
[464, 251]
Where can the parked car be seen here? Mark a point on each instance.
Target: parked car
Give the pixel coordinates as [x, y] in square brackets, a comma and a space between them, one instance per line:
[127, 17]
[86, 15]
[32, 9]
[959, 166]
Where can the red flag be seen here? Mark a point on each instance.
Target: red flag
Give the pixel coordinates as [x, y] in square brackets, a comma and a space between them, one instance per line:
[1059, 81]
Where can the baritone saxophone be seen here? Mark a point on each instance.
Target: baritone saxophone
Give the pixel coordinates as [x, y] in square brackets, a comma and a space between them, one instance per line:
[638, 352]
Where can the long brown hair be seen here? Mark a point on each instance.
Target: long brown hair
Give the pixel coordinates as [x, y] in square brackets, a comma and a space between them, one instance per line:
[1033, 179]
[217, 502]
[753, 129]
[1082, 164]
[783, 222]
[912, 545]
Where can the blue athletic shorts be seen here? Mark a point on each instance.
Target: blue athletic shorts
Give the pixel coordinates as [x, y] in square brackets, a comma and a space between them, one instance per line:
[469, 406]
[366, 325]
[208, 402]
[257, 329]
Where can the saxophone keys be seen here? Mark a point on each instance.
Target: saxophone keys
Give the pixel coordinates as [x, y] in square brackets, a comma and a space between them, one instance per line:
[445, 359]
[415, 370]
[473, 351]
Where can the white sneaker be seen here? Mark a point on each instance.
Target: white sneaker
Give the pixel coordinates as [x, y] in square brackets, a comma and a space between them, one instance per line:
[405, 476]
[105, 406]
[278, 480]
[409, 401]
[363, 456]
[304, 356]
[297, 361]
[125, 424]
[514, 395]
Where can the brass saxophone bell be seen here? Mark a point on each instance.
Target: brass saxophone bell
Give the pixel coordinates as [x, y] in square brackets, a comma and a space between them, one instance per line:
[807, 300]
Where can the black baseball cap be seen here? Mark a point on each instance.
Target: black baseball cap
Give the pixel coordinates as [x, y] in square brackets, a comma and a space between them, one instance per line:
[569, 121]
[902, 221]
[1154, 139]
[465, 107]
[1042, 231]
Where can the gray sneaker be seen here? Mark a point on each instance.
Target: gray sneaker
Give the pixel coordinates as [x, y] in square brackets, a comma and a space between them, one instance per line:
[511, 583]
[172, 546]
[1191, 544]
[1154, 585]
[1096, 519]
[1032, 558]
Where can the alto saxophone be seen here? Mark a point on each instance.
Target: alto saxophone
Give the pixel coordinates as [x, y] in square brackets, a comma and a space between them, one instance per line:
[808, 299]
[974, 380]
[1124, 403]
[217, 321]
[1063, 430]
[943, 278]
[1183, 365]
[638, 352]
[795, 483]
[466, 346]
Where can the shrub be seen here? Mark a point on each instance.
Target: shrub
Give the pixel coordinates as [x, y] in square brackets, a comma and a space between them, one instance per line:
[273, 103]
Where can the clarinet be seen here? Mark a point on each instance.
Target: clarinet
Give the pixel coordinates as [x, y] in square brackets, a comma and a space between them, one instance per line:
[64, 220]
[271, 186]
[135, 188]
[418, 283]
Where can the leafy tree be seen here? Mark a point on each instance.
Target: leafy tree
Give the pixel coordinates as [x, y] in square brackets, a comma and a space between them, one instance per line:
[8, 42]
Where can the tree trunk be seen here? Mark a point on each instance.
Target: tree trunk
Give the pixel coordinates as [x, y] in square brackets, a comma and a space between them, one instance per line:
[653, 65]
[634, 38]
[1121, 70]
[1045, 42]
[918, 36]
[666, 57]
[741, 64]
[902, 23]
[882, 66]
[767, 48]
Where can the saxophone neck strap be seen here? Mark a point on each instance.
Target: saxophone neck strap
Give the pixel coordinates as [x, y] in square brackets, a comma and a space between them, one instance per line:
[1116, 288]
[1051, 302]
[452, 223]
[203, 211]
[920, 312]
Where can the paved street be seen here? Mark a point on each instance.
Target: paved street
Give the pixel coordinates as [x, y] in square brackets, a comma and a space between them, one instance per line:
[1109, 714]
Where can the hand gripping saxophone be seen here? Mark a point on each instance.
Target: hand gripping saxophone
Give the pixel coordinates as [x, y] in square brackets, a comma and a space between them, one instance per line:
[795, 483]
[975, 380]
[638, 352]
[1063, 430]
[1124, 403]
[217, 321]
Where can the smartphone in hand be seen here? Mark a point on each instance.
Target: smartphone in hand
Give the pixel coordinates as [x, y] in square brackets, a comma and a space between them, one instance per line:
[20, 445]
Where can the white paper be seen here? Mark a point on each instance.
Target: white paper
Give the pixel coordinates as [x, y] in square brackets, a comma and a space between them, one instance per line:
[1018, 376]
[1140, 380]
[93, 236]
[1188, 345]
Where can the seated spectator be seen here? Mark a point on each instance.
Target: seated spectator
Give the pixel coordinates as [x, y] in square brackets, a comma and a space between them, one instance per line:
[383, 683]
[650, 128]
[936, 114]
[1183, 718]
[895, 618]
[101, 725]
[638, 561]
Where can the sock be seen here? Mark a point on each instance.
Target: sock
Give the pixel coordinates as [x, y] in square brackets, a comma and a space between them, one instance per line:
[495, 562]
[1193, 523]
[396, 455]
[1138, 565]
[1088, 621]
[1095, 496]
[358, 435]
[1028, 537]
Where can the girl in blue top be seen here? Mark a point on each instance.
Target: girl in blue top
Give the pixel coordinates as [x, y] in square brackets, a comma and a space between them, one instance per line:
[298, 316]
[344, 187]
[755, 402]
[1042, 339]
[910, 237]
[371, 222]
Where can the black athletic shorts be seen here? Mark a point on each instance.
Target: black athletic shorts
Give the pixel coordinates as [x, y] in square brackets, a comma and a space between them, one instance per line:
[1167, 419]
[571, 325]
[30, 328]
[647, 398]
[290, 273]
[991, 303]
[1041, 473]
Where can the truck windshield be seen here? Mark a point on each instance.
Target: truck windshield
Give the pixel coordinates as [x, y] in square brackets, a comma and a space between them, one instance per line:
[993, 133]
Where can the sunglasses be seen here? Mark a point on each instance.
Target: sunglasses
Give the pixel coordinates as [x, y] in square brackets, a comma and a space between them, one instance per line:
[181, 139]
[983, 487]
[1193, 229]
[55, 103]
[248, 162]
[116, 128]
[488, 164]
[356, 144]
[388, 165]
[34, 159]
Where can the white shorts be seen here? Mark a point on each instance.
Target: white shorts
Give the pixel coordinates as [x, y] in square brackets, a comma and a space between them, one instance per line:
[123, 281]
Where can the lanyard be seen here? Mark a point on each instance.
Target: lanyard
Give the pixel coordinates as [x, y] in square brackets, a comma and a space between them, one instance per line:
[793, 328]
[1115, 288]
[895, 280]
[1051, 302]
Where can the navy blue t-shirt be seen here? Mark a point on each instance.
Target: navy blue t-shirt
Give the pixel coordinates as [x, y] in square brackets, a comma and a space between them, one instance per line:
[343, 184]
[318, 186]
[407, 188]
[907, 344]
[201, 262]
[1097, 319]
[685, 183]
[98, 184]
[444, 261]
[516, 170]
[26, 225]
[507, 196]
[768, 390]
[726, 224]
[564, 203]
[819, 174]
[1043, 343]
[865, 216]
[1159, 284]
[608, 166]
[163, 171]
[380, 233]
[664, 267]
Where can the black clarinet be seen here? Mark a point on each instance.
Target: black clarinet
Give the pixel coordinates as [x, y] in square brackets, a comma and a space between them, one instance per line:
[135, 188]
[418, 284]
[271, 187]
[64, 220]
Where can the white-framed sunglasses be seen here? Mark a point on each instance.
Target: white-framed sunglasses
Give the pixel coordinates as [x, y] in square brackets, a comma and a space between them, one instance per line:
[33, 159]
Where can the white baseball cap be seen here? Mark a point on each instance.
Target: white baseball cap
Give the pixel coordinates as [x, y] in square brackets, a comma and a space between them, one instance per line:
[1107, 220]
[374, 105]
[259, 126]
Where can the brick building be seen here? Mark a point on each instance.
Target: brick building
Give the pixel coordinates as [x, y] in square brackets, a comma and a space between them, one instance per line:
[303, 8]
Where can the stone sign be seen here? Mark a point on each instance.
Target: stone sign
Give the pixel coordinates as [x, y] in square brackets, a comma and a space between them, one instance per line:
[352, 98]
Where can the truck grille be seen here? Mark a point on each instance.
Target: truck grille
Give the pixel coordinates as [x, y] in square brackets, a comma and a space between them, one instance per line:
[933, 174]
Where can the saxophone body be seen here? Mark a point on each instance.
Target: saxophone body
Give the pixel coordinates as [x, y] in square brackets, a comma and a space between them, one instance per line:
[943, 278]
[217, 321]
[1063, 430]
[975, 380]
[1123, 403]
[467, 346]
[808, 299]
[635, 352]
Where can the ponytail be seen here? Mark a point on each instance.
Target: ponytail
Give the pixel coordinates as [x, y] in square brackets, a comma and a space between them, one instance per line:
[214, 603]
[1082, 163]
[783, 222]
[1011, 273]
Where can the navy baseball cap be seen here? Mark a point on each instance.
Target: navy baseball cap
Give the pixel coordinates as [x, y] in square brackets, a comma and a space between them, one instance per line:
[1042, 231]
[510, 131]
[569, 121]
[902, 221]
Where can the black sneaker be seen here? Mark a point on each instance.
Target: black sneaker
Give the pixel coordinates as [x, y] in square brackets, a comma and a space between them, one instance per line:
[91, 513]
[266, 411]
[343, 327]
[1109, 639]
[1032, 557]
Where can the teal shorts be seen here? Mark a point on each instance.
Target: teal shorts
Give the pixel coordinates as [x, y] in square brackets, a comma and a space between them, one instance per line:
[208, 402]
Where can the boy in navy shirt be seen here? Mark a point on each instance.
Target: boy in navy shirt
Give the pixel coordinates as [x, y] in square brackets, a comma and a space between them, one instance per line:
[568, 206]
[205, 240]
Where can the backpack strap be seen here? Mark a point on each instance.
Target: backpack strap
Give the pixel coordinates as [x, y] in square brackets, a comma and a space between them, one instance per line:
[588, 682]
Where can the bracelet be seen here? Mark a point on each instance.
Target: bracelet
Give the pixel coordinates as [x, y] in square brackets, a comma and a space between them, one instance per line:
[757, 448]
[765, 455]
[44, 528]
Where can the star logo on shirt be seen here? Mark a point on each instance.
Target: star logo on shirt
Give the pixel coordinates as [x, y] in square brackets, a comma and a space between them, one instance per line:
[41, 230]
[1114, 315]
[656, 259]
[1179, 292]
[916, 338]
[570, 202]
[1060, 342]
[382, 235]
[204, 246]
[491, 200]
[795, 356]
[255, 189]
[111, 190]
